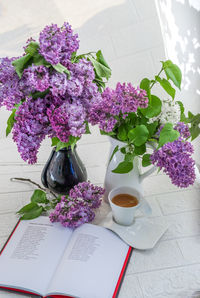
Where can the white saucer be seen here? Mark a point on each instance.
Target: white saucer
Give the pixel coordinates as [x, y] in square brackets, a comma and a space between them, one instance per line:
[144, 233]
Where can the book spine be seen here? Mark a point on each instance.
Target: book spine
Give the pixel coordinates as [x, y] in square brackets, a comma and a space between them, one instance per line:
[122, 274]
[9, 237]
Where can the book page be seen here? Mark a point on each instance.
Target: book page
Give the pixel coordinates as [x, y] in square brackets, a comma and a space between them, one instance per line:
[91, 264]
[32, 254]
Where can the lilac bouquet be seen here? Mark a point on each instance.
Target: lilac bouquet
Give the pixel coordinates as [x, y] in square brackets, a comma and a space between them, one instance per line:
[144, 122]
[50, 90]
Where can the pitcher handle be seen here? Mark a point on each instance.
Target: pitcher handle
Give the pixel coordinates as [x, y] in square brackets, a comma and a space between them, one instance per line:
[147, 173]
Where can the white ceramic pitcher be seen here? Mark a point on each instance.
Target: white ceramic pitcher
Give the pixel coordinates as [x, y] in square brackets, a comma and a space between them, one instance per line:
[132, 179]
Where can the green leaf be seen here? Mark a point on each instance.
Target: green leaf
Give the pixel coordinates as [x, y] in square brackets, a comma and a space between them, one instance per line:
[34, 213]
[39, 196]
[190, 116]
[71, 143]
[60, 145]
[47, 208]
[138, 135]
[181, 106]
[172, 72]
[10, 122]
[100, 84]
[168, 135]
[146, 160]
[132, 117]
[154, 107]
[101, 70]
[39, 60]
[40, 94]
[145, 85]
[32, 48]
[77, 58]
[194, 120]
[152, 128]
[166, 86]
[101, 59]
[87, 128]
[54, 141]
[113, 153]
[122, 135]
[123, 167]
[129, 157]
[73, 57]
[21, 63]
[139, 150]
[195, 131]
[62, 69]
[107, 133]
[28, 208]
[182, 109]
[158, 170]
[123, 150]
[19, 104]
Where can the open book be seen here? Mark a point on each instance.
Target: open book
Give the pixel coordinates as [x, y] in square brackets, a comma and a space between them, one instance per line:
[49, 260]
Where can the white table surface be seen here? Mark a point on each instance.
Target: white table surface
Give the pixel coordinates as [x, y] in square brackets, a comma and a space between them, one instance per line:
[171, 269]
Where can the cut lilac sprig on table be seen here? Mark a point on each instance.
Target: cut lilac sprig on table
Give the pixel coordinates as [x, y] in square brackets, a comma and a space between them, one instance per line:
[70, 210]
[78, 207]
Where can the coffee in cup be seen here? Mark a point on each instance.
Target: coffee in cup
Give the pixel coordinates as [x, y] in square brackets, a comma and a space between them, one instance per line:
[124, 202]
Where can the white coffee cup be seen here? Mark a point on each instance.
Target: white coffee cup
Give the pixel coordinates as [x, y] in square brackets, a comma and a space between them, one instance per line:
[126, 215]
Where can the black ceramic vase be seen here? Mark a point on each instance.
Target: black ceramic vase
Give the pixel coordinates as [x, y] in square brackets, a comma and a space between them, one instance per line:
[63, 170]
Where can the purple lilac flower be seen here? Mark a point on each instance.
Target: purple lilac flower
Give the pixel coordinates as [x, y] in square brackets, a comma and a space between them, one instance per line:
[183, 129]
[72, 215]
[175, 159]
[37, 77]
[75, 86]
[81, 80]
[68, 119]
[83, 68]
[89, 96]
[77, 208]
[89, 192]
[31, 127]
[70, 43]
[51, 43]
[79, 87]
[57, 44]
[10, 91]
[124, 99]
[58, 83]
